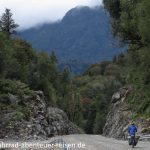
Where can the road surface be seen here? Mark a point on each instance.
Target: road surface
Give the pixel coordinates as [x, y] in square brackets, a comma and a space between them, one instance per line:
[85, 142]
[97, 142]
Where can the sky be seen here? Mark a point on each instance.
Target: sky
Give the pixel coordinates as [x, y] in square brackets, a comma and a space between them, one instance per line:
[28, 13]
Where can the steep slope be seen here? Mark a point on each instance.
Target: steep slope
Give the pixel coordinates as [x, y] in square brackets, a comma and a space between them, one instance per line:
[84, 34]
[23, 112]
[121, 114]
[130, 22]
[29, 117]
[96, 87]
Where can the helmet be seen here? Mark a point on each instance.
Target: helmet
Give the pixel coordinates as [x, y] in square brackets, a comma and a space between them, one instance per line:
[132, 122]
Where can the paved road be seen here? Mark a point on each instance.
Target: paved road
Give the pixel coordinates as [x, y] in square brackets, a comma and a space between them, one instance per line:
[88, 142]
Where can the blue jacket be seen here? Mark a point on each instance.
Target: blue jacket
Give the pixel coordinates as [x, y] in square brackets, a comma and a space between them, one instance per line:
[132, 129]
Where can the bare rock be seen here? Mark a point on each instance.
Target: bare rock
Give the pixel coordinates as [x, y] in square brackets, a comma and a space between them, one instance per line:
[42, 121]
[119, 116]
[13, 98]
[116, 96]
[116, 121]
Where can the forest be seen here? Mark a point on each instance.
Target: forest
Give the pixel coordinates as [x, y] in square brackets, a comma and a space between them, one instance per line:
[85, 98]
[130, 22]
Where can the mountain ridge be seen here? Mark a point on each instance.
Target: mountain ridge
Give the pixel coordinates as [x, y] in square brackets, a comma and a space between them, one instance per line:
[84, 34]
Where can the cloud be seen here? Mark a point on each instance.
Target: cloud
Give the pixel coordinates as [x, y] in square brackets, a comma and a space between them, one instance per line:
[28, 13]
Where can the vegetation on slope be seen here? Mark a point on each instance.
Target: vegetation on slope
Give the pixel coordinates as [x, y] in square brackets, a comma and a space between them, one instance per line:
[23, 69]
[130, 21]
[81, 38]
[96, 87]
[85, 98]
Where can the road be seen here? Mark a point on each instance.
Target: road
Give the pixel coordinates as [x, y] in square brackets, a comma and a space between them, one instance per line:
[97, 142]
[87, 142]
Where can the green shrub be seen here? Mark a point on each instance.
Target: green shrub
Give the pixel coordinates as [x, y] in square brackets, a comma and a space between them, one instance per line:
[17, 116]
[4, 98]
[14, 87]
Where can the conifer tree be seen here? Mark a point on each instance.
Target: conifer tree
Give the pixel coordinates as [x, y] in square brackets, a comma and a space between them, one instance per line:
[7, 23]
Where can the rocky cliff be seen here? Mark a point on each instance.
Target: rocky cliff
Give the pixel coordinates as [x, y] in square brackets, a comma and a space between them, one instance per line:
[40, 121]
[121, 115]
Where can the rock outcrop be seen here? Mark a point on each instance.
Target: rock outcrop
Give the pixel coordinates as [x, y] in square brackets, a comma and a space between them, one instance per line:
[41, 121]
[121, 114]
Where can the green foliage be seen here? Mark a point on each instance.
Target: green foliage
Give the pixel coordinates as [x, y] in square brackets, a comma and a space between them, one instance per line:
[23, 69]
[97, 69]
[4, 99]
[72, 106]
[124, 19]
[90, 119]
[17, 116]
[114, 7]
[7, 24]
[99, 123]
[86, 98]
[44, 75]
[96, 87]
[14, 87]
[132, 26]
[144, 21]
[133, 19]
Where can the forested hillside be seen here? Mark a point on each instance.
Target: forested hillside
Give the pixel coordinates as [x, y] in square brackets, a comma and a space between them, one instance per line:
[130, 21]
[81, 38]
[85, 98]
[96, 87]
[23, 70]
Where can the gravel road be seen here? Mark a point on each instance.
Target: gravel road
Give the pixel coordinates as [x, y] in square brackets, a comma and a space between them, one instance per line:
[84, 142]
[97, 142]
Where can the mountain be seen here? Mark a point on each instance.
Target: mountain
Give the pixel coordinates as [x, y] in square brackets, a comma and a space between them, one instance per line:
[83, 36]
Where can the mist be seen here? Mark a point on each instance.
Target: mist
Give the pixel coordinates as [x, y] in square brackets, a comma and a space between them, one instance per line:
[28, 13]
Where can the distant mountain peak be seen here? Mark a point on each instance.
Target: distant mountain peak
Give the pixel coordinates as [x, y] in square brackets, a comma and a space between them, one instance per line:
[77, 11]
[84, 35]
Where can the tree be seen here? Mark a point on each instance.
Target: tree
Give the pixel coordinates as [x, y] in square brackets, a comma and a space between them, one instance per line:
[7, 24]
[144, 21]
[99, 123]
[124, 19]
[53, 58]
[132, 26]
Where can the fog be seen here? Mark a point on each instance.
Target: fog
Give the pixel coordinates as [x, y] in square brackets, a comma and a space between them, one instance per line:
[28, 13]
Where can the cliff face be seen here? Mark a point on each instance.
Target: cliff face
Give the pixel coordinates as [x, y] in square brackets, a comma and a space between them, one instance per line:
[41, 121]
[121, 114]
